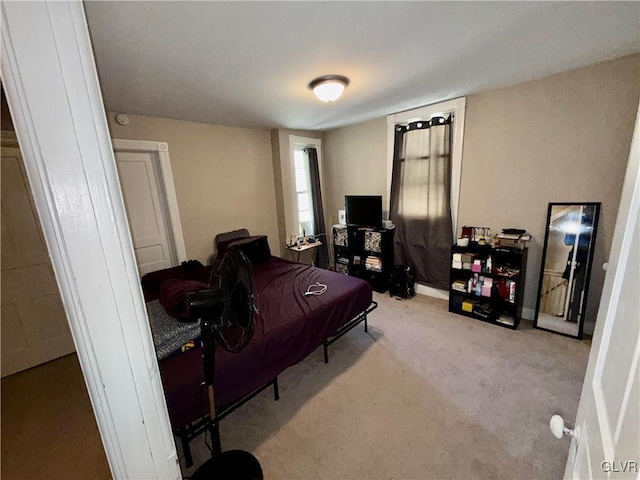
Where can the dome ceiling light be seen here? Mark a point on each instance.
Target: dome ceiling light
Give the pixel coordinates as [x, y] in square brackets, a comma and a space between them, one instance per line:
[329, 88]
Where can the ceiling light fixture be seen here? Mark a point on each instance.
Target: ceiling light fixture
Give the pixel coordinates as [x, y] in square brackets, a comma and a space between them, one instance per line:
[329, 88]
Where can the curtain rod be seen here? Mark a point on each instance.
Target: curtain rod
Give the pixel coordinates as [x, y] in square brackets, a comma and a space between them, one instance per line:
[424, 124]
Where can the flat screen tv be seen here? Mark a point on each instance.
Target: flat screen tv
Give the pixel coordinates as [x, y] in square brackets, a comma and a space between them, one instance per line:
[364, 210]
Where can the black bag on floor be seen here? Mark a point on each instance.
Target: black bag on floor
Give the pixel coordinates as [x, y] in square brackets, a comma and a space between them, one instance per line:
[402, 282]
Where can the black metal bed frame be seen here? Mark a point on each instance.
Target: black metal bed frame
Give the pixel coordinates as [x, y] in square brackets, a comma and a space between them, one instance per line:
[194, 429]
[348, 326]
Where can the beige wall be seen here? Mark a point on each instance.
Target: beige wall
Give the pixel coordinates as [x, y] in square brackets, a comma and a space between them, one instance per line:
[355, 164]
[562, 138]
[223, 177]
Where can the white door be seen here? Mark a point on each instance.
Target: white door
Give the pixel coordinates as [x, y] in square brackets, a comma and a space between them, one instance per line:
[34, 325]
[146, 210]
[607, 431]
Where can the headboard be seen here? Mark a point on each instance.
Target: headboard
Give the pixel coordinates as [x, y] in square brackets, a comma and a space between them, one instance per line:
[223, 239]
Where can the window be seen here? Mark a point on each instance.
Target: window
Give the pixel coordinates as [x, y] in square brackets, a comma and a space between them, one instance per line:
[298, 187]
[418, 167]
[304, 202]
[424, 175]
[455, 107]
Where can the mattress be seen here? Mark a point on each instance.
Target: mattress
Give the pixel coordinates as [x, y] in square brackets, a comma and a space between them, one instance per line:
[290, 325]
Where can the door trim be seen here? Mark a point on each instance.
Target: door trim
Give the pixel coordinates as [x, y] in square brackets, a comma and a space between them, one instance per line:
[610, 432]
[593, 408]
[161, 150]
[608, 307]
[53, 93]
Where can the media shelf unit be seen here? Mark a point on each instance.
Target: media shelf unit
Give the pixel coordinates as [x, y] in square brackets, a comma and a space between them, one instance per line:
[502, 272]
[365, 253]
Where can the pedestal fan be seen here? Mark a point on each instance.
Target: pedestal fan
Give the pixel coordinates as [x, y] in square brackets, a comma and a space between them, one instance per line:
[227, 313]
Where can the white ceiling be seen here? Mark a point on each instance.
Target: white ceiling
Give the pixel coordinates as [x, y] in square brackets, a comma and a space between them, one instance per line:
[248, 64]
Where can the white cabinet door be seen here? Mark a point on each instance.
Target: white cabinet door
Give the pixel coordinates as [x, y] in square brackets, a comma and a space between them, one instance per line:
[146, 210]
[34, 325]
[607, 430]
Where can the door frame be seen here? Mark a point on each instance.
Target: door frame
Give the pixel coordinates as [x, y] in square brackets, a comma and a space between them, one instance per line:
[168, 188]
[53, 93]
[601, 436]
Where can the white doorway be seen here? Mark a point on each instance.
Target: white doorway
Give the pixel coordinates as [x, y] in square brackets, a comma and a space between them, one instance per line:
[34, 325]
[606, 438]
[145, 175]
[53, 93]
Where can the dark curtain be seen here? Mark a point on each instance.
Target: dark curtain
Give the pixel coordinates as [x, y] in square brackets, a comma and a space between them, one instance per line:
[420, 199]
[322, 258]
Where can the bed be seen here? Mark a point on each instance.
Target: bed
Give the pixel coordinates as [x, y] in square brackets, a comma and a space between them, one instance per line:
[289, 327]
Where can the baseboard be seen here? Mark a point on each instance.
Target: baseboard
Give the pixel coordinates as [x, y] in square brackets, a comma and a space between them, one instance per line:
[528, 313]
[432, 292]
[588, 328]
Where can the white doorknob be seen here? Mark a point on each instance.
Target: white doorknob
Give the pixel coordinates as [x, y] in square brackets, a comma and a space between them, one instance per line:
[556, 424]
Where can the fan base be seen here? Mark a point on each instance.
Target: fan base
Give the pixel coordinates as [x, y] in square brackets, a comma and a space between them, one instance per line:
[232, 464]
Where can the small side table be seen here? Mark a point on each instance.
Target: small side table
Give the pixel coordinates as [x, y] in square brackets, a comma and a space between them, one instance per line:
[310, 248]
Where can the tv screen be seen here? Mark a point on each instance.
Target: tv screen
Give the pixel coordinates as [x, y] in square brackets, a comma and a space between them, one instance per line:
[364, 210]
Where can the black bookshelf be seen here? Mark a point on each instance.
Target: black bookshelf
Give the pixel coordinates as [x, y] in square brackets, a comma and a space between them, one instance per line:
[365, 253]
[501, 271]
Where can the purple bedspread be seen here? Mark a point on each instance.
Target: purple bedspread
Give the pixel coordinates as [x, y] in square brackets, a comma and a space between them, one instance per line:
[289, 327]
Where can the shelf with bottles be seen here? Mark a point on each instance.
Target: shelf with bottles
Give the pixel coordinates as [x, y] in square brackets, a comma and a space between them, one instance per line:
[492, 264]
[486, 283]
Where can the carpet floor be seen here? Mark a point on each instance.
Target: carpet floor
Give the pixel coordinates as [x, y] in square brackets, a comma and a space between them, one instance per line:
[425, 394]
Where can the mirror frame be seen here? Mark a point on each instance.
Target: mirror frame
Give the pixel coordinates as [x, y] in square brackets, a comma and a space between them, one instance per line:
[594, 238]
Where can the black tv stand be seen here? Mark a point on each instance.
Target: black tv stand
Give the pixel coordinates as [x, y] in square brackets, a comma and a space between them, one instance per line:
[365, 253]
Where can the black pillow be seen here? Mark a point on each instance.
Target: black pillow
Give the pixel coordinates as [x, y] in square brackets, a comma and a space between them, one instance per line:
[223, 240]
[255, 248]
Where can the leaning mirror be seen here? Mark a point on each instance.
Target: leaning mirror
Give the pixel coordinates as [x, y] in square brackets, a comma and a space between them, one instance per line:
[566, 267]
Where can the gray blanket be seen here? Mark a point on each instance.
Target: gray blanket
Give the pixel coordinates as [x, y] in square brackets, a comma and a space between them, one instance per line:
[168, 333]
